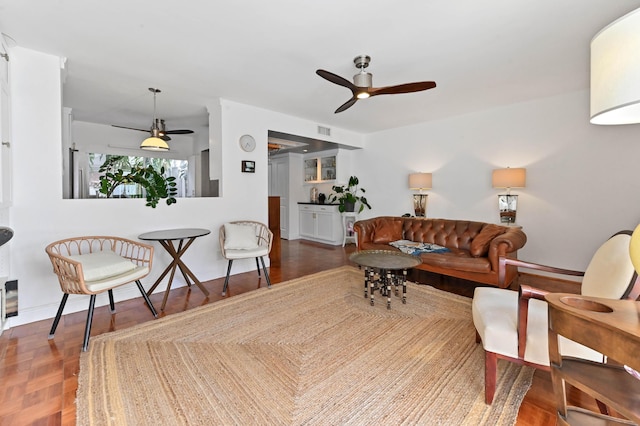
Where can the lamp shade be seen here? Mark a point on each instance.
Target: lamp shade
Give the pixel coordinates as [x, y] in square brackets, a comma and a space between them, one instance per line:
[154, 144]
[615, 72]
[509, 178]
[420, 181]
[634, 249]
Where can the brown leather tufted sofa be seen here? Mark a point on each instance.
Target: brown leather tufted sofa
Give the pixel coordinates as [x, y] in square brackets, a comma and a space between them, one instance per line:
[475, 247]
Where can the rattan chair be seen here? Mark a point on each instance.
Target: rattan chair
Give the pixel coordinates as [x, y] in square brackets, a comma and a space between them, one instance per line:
[245, 239]
[93, 265]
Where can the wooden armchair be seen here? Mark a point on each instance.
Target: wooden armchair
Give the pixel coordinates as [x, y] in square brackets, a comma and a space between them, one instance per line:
[245, 239]
[93, 265]
[513, 326]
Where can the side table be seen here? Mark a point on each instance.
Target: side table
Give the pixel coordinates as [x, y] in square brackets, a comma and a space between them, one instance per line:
[349, 234]
[167, 239]
[611, 327]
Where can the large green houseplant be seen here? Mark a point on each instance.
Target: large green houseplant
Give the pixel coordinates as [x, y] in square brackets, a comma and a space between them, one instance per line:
[348, 195]
[156, 185]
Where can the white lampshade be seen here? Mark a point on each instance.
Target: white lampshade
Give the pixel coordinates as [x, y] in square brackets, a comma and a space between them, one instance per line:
[154, 144]
[615, 72]
[509, 178]
[634, 249]
[420, 181]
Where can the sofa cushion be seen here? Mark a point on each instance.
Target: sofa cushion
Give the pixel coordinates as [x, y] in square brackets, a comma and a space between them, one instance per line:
[387, 231]
[457, 259]
[481, 242]
[368, 245]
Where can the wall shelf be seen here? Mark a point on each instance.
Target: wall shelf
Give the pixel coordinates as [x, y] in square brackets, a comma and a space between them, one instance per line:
[320, 169]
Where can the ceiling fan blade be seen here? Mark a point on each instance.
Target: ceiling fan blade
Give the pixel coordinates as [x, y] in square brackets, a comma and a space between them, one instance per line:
[346, 105]
[179, 132]
[130, 128]
[336, 79]
[165, 138]
[402, 88]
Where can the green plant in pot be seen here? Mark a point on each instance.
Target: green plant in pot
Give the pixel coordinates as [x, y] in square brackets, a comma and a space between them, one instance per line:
[156, 185]
[348, 195]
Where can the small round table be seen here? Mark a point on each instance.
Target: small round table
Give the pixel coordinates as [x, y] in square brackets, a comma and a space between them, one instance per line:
[166, 238]
[392, 270]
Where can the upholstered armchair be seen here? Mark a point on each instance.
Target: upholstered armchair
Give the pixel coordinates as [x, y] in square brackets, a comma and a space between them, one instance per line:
[513, 325]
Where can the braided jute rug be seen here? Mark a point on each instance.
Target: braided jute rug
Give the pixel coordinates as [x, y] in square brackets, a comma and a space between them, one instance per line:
[311, 351]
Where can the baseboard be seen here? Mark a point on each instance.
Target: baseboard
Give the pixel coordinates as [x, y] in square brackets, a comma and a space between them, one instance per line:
[76, 303]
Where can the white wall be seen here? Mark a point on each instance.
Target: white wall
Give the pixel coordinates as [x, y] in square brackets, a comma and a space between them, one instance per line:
[582, 180]
[40, 215]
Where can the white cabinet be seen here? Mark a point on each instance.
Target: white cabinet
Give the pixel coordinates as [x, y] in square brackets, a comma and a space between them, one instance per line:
[321, 223]
[307, 222]
[320, 169]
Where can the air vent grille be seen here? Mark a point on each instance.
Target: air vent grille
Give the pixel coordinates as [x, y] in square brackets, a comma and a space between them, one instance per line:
[325, 131]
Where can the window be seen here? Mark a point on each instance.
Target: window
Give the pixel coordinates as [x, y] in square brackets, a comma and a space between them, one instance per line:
[176, 168]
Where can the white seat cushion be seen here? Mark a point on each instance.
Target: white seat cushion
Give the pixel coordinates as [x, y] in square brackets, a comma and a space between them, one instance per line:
[112, 282]
[103, 264]
[495, 316]
[246, 253]
[240, 237]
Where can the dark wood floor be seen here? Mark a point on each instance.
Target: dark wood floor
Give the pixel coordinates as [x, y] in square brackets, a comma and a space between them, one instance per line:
[38, 377]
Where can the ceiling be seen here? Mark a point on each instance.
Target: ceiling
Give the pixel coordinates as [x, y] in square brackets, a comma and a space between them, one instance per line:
[482, 55]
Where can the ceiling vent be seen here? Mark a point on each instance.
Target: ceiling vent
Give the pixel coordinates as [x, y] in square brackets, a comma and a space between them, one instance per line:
[325, 131]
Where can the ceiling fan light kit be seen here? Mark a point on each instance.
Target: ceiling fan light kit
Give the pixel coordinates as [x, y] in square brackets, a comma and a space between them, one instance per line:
[158, 130]
[154, 144]
[362, 86]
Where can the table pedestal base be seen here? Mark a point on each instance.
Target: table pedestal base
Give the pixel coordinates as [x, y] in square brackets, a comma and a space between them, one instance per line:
[176, 253]
[383, 280]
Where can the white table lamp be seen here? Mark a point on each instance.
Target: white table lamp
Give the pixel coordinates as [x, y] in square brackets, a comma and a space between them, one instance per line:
[420, 181]
[507, 203]
[615, 72]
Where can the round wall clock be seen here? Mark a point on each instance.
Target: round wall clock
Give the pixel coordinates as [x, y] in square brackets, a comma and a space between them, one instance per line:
[247, 143]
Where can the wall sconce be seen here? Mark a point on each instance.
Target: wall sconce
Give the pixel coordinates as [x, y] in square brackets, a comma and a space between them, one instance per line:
[508, 178]
[615, 67]
[420, 181]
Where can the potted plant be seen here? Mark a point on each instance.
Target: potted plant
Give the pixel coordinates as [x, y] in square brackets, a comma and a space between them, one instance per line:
[347, 196]
[155, 184]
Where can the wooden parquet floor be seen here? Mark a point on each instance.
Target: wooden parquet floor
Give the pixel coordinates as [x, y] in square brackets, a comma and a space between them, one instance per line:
[38, 377]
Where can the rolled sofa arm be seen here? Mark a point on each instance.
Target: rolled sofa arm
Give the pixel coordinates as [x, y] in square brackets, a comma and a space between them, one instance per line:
[364, 230]
[501, 246]
[509, 242]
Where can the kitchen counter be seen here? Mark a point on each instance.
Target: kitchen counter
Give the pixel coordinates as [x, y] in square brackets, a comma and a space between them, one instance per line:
[318, 204]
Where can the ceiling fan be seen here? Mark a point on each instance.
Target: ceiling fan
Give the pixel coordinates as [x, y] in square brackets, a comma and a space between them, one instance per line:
[158, 128]
[361, 88]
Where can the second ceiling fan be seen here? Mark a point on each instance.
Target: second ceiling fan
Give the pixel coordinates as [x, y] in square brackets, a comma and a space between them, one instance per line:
[362, 86]
[158, 128]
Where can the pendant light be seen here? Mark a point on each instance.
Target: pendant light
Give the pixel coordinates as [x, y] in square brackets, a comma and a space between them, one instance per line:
[154, 143]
